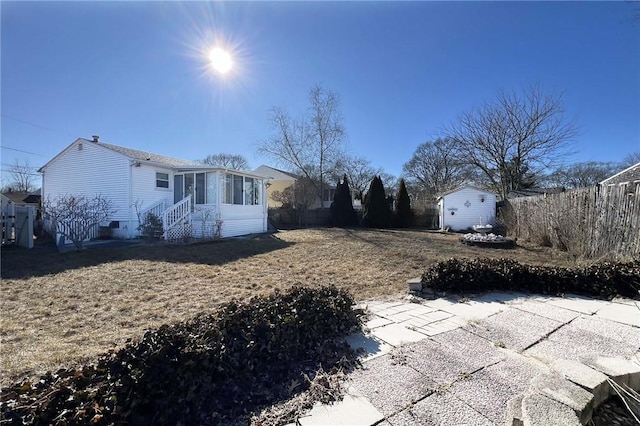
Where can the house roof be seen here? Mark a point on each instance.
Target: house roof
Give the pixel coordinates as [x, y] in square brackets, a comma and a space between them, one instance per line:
[150, 157]
[133, 154]
[463, 187]
[266, 171]
[147, 156]
[630, 174]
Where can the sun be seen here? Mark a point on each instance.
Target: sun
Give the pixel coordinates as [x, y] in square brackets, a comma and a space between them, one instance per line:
[220, 60]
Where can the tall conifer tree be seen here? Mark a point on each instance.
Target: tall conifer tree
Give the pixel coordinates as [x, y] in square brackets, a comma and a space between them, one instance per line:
[376, 207]
[342, 212]
[404, 214]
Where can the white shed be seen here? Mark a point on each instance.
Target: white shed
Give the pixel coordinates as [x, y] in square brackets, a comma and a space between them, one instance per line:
[466, 206]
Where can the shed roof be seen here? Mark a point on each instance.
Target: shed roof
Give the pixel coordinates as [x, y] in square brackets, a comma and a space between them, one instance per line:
[467, 185]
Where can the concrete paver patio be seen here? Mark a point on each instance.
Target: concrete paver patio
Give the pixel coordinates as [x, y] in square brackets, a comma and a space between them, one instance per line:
[487, 361]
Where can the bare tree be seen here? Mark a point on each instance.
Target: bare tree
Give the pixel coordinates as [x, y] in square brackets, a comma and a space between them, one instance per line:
[436, 167]
[76, 216]
[630, 160]
[359, 173]
[511, 133]
[229, 161]
[391, 183]
[310, 146]
[22, 177]
[580, 175]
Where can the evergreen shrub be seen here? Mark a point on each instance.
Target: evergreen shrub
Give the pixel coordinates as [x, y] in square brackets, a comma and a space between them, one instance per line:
[376, 207]
[603, 280]
[342, 211]
[212, 369]
[403, 212]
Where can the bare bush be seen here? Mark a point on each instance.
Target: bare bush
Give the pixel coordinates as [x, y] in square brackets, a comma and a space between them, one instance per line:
[76, 216]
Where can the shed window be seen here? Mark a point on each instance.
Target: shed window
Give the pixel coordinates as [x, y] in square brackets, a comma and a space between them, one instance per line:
[162, 180]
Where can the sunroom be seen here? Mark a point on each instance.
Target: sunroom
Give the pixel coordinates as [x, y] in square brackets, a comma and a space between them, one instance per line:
[211, 203]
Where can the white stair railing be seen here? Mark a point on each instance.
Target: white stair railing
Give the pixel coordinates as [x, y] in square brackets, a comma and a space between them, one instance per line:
[156, 209]
[175, 214]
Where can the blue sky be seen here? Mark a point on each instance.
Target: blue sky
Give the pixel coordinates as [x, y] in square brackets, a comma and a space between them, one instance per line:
[136, 74]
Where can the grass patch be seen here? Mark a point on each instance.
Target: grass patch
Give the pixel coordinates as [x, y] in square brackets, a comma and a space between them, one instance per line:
[64, 309]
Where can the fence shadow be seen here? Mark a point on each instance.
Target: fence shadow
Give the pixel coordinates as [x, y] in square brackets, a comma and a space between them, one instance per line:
[20, 263]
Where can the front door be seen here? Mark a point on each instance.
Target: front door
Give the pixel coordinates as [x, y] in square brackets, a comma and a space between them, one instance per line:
[193, 184]
[178, 188]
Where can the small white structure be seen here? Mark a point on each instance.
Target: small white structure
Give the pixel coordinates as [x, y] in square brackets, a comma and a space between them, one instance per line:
[466, 206]
[189, 197]
[17, 223]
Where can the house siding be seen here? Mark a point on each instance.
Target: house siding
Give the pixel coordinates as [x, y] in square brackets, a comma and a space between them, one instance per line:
[466, 215]
[144, 192]
[89, 171]
[280, 186]
[242, 220]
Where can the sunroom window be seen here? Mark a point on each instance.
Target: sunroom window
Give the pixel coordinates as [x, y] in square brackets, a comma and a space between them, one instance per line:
[241, 190]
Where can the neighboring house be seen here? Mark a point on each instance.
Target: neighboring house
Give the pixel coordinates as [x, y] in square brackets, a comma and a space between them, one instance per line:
[533, 192]
[186, 195]
[626, 176]
[466, 206]
[24, 198]
[279, 180]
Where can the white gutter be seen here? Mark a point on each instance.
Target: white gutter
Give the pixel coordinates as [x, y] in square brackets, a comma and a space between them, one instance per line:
[131, 164]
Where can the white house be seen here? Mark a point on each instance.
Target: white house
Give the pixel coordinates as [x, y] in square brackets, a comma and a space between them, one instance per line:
[466, 206]
[186, 195]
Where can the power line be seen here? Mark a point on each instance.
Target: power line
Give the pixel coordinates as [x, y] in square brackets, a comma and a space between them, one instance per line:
[21, 150]
[19, 166]
[28, 122]
[22, 173]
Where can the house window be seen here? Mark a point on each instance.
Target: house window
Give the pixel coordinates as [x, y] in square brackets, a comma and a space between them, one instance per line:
[212, 181]
[241, 190]
[162, 180]
[237, 189]
[252, 191]
[328, 194]
[227, 189]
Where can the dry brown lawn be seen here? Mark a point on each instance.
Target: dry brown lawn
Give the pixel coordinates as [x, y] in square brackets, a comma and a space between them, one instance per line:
[60, 309]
